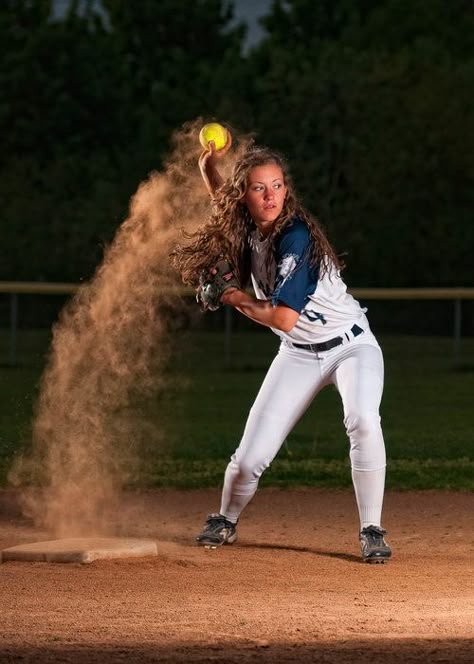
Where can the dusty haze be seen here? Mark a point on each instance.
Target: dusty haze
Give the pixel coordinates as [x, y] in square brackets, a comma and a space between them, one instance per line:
[109, 349]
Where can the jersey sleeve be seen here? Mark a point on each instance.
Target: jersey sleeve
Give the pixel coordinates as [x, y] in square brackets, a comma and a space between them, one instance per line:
[295, 278]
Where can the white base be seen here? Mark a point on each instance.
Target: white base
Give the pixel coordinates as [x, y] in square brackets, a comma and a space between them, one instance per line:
[80, 550]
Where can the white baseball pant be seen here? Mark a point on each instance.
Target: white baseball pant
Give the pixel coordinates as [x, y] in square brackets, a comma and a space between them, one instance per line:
[293, 380]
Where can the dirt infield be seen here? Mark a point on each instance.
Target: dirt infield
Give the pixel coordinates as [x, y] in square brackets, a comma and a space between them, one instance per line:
[293, 588]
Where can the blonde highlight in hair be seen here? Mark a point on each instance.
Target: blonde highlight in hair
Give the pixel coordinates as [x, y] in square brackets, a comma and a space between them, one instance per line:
[227, 232]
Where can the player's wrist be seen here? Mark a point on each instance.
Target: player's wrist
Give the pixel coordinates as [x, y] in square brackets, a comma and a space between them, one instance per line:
[228, 296]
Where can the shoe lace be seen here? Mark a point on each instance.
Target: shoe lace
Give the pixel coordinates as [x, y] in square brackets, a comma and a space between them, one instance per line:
[375, 535]
[216, 522]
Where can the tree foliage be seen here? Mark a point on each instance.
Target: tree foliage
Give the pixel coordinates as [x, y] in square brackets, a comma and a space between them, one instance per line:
[373, 106]
[370, 100]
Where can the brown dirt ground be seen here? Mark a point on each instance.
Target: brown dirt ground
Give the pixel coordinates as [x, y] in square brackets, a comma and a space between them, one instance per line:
[292, 589]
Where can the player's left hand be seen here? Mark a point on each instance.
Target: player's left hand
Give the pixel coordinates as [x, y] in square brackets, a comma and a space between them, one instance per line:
[213, 283]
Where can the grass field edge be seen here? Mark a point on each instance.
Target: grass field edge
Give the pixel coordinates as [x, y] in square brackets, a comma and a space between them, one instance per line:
[448, 474]
[402, 474]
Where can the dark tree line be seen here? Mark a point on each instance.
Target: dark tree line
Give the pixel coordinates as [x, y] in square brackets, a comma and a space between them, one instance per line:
[370, 100]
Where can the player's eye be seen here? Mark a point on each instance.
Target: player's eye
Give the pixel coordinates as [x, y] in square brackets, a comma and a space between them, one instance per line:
[278, 185]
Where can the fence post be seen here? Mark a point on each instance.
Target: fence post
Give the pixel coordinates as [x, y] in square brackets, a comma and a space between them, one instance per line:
[227, 334]
[13, 328]
[457, 329]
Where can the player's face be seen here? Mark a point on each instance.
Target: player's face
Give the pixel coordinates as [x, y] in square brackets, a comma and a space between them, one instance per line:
[265, 195]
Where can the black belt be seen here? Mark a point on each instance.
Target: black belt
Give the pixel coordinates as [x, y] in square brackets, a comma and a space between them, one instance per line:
[332, 343]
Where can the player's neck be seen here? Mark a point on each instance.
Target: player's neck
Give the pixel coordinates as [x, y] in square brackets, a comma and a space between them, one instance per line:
[264, 228]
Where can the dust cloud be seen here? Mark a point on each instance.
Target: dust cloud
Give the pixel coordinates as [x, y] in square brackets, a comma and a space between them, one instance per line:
[109, 350]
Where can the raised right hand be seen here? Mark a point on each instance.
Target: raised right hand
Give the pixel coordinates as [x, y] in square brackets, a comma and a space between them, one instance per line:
[211, 156]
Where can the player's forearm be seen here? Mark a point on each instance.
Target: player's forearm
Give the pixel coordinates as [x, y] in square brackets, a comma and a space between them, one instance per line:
[212, 178]
[261, 311]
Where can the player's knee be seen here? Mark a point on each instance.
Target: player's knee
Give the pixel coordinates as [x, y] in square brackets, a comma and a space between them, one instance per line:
[366, 440]
[251, 469]
[362, 425]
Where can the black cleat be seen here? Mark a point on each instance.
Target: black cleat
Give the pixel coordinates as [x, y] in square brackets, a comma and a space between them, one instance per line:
[373, 547]
[217, 531]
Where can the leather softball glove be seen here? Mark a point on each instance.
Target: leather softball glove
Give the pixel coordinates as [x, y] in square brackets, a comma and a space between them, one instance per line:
[213, 283]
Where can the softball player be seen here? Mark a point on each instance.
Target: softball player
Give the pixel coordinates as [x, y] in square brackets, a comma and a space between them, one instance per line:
[325, 335]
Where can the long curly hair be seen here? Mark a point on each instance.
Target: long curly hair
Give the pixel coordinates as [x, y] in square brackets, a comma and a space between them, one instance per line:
[227, 232]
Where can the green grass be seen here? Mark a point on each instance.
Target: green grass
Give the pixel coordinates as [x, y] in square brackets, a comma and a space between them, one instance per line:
[426, 414]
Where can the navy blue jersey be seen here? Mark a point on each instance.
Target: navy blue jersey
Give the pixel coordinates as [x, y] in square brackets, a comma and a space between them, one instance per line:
[295, 278]
[284, 275]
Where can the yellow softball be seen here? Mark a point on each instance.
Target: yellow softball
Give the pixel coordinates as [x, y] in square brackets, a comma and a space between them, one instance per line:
[213, 131]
